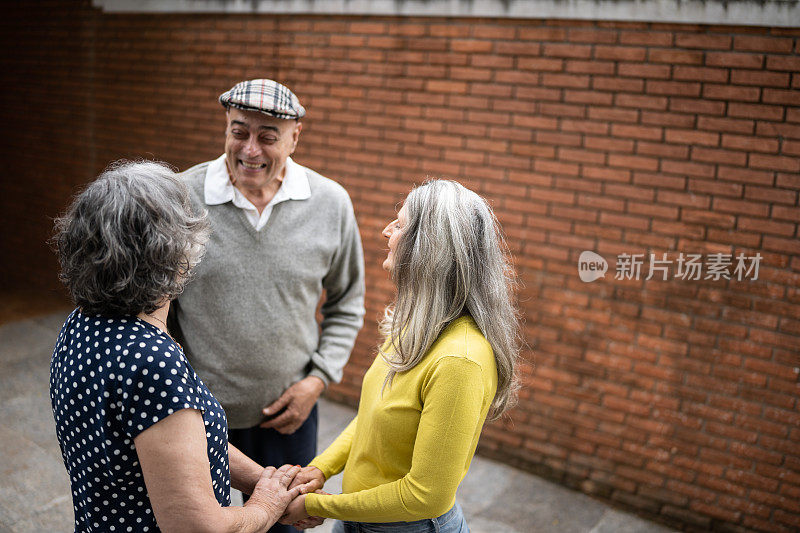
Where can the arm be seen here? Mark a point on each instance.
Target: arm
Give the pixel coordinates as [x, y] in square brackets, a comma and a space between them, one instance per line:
[452, 413]
[245, 472]
[332, 460]
[174, 462]
[343, 309]
[343, 316]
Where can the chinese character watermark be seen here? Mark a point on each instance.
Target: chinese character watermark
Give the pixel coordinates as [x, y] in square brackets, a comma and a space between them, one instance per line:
[687, 267]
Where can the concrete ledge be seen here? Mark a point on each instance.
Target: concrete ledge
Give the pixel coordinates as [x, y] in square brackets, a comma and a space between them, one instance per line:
[784, 13]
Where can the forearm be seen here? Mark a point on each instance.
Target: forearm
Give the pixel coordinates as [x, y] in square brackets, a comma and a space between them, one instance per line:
[332, 460]
[247, 519]
[244, 471]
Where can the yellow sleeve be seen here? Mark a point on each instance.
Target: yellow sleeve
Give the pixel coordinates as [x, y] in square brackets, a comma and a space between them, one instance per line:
[333, 459]
[451, 414]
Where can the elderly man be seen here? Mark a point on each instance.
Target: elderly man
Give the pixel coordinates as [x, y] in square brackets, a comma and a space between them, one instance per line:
[281, 233]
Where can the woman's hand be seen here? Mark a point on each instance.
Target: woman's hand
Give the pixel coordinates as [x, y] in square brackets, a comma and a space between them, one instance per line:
[296, 511]
[272, 492]
[311, 476]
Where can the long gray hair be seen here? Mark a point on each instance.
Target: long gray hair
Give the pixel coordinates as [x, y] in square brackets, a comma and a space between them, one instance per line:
[451, 258]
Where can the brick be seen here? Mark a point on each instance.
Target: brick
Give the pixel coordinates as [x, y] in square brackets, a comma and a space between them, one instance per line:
[567, 50]
[644, 70]
[540, 63]
[678, 88]
[750, 143]
[693, 137]
[608, 144]
[760, 78]
[688, 168]
[565, 80]
[774, 96]
[731, 125]
[621, 53]
[632, 161]
[775, 162]
[703, 41]
[790, 63]
[755, 43]
[735, 59]
[646, 38]
[541, 33]
[731, 92]
[517, 48]
[667, 119]
[615, 84]
[704, 74]
[766, 112]
[591, 35]
[691, 105]
[640, 101]
[716, 155]
[636, 132]
[579, 66]
[613, 114]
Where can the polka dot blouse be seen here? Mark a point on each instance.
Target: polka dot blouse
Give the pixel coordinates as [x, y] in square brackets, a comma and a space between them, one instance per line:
[111, 379]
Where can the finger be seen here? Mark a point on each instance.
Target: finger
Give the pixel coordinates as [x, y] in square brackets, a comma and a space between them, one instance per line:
[288, 476]
[282, 470]
[278, 404]
[310, 486]
[285, 418]
[268, 472]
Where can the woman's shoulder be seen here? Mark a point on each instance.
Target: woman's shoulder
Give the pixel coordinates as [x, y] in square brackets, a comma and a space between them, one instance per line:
[462, 338]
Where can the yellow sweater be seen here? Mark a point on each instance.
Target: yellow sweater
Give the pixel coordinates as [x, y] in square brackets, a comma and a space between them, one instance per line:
[406, 451]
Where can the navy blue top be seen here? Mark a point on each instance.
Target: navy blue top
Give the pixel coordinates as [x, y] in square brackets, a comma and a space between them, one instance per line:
[111, 379]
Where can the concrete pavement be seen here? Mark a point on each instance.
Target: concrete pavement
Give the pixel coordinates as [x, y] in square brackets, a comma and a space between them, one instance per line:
[34, 487]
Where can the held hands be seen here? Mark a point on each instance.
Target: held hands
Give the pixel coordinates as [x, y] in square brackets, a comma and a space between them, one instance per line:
[311, 476]
[297, 516]
[296, 403]
[272, 493]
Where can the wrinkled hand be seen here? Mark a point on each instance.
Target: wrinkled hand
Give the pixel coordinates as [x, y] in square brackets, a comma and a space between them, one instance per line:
[272, 492]
[310, 475]
[296, 403]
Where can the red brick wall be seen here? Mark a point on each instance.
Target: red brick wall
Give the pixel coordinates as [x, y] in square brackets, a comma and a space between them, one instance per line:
[676, 398]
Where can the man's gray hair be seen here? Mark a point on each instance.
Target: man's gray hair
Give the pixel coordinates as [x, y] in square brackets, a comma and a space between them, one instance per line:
[128, 242]
[451, 259]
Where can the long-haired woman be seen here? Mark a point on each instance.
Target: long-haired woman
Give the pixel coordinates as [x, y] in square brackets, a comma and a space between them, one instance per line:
[451, 339]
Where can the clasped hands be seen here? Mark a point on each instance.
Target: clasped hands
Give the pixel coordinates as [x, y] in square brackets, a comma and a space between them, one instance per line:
[311, 479]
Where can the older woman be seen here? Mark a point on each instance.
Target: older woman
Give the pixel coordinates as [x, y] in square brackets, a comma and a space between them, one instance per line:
[451, 341]
[144, 441]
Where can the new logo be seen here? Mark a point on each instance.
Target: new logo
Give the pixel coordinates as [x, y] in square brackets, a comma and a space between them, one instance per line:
[591, 266]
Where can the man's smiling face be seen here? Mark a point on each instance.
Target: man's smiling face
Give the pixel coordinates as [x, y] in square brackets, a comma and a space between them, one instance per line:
[256, 147]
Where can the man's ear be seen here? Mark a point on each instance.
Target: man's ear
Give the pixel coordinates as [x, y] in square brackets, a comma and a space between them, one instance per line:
[296, 134]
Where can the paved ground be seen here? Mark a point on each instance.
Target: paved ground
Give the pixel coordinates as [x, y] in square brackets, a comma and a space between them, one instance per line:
[34, 488]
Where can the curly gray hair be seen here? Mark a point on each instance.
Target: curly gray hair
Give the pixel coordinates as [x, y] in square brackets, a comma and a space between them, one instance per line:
[129, 240]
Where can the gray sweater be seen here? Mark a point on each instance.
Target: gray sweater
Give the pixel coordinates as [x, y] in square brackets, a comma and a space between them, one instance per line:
[247, 320]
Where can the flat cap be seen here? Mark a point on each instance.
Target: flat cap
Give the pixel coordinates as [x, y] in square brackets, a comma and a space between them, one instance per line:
[267, 96]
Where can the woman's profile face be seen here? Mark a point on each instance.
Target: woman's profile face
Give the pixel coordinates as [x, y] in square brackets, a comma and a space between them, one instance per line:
[393, 232]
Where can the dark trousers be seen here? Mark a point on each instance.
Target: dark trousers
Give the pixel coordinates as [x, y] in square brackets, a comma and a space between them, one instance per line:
[268, 447]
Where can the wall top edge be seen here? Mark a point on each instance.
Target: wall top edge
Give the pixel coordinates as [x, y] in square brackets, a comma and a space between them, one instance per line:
[780, 13]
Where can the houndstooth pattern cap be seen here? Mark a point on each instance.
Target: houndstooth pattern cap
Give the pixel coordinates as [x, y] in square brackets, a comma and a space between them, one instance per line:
[266, 96]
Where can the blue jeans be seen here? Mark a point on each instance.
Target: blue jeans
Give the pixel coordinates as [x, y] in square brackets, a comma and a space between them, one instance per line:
[450, 522]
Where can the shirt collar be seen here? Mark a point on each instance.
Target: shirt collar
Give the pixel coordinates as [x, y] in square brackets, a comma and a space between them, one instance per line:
[219, 190]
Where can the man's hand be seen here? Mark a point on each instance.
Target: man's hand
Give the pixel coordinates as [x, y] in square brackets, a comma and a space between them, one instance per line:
[296, 403]
[311, 475]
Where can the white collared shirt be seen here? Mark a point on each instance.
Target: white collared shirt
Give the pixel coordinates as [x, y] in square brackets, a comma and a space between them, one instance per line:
[219, 190]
